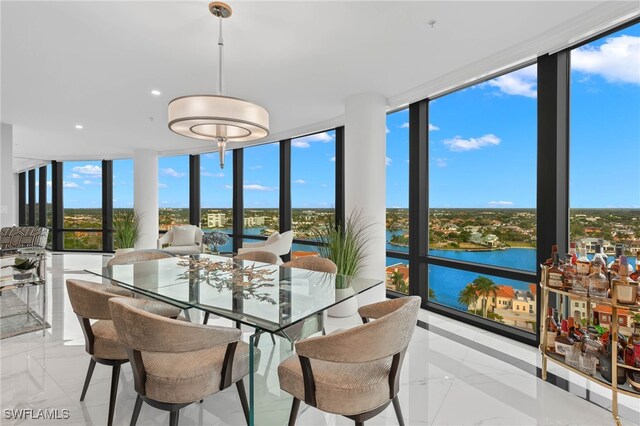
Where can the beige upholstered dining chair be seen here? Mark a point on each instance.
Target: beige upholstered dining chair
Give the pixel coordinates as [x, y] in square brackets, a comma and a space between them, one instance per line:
[177, 363]
[89, 301]
[258, 256]
[313, 263]
[317, 264]
[356, 372]
[138, 256]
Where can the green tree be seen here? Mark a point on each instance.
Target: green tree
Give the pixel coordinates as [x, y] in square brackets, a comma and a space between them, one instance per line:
[468, 296]
[432, 294]
[485, 287]
[398, 282]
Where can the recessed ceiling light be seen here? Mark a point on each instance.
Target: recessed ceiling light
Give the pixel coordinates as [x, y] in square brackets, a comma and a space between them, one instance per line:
[79, 126]
[156, 92]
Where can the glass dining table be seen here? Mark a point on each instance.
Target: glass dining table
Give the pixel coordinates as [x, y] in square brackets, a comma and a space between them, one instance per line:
[285, 303]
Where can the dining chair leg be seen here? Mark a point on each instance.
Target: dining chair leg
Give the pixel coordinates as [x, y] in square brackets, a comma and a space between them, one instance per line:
[396, 407]
[136, 411]
[206, 318]
[273, 339]
[115, 374]
[243, 399]
[174, 417]
[87, 380]
[294, 411]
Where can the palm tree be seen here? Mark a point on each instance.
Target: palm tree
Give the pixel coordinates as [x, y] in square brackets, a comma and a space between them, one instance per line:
[468, 296]
[485, 287]
[432, 294]
[397, 279]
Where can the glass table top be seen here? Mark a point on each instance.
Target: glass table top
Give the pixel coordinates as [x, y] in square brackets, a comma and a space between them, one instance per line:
[268, 297]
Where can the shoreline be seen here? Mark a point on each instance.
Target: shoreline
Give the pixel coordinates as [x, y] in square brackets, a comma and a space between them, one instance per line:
[467, 249]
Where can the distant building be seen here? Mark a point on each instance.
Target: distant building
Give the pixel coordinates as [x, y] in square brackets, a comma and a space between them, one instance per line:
[250, 222]
[491, 240]
[215, 220]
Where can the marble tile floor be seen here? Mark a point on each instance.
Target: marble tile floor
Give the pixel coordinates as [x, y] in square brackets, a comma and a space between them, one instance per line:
[454, 374]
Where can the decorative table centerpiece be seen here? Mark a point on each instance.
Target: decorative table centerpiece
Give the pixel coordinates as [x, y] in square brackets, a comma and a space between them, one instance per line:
[214, 240]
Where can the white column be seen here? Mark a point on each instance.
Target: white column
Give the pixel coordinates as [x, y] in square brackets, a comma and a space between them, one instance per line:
[8, 181]
[365, 179]
[145, 197]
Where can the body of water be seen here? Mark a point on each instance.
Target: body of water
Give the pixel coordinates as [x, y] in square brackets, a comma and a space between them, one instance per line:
[447, 282]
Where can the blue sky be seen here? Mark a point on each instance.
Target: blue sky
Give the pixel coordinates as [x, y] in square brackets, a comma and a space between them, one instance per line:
[482, 148]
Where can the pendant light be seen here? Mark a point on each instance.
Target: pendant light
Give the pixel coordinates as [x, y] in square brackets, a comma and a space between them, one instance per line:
[218, 117]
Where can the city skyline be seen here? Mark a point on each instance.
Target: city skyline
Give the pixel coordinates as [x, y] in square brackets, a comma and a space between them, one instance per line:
[478, 136]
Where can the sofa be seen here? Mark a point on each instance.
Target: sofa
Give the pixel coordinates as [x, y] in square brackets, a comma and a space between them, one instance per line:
[15, 237]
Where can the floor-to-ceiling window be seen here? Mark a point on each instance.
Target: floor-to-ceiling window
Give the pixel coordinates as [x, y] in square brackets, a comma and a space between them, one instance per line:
[173, 191]
[605, 142]
[216, 196]
[261, 189]
[397, 222]
[82, 205]
[482, 198]
[122, 190]
[313, 194]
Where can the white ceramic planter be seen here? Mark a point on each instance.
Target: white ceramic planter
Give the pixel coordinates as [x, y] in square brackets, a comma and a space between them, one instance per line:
[123, 251]
[346, 308]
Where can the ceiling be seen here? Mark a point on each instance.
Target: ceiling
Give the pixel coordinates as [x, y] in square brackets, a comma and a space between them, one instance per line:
[95, 63]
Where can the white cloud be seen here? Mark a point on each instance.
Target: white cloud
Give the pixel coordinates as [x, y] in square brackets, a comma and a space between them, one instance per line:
[70, 184]
[228, 187]
[209, 174]
[333, 159]
[441, 162]
[300, 181]
[433, 127]
[458, 144]
[171, 172]
[88, 169]
[521, 82]
[404, 125]
[87, 182]
[162, 185]
[49, 184]
[256, 187]
[305, 141]
[255, 167]
[387, 130]
[324, 185]
[74, 176]
[387, 161]
[501, 203]
[617, 60]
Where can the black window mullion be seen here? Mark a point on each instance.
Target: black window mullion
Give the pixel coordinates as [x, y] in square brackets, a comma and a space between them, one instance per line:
[339, 193]
[57, 241]
[22, 198]
[418, 198]
[107, 206]
[285, 189]
[238, 201]
[553, 158]
[32, 197]
[42, 197]
[194, 190]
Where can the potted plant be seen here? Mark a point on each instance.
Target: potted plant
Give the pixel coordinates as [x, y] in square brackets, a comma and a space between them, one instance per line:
[125, 230]
[345, 244]
[24, 268]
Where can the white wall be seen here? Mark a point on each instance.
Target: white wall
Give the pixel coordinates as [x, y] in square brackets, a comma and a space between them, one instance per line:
[365, 179]
[145, 197]
[8, 180]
